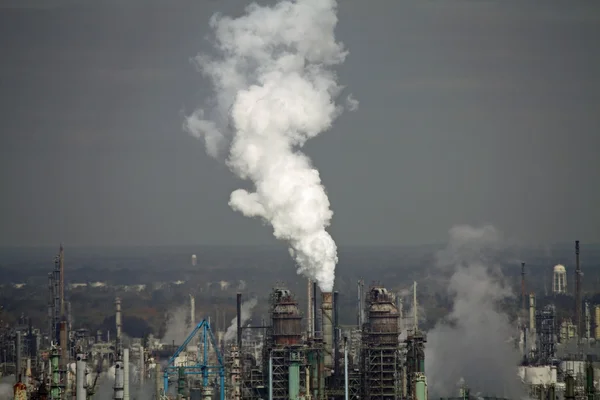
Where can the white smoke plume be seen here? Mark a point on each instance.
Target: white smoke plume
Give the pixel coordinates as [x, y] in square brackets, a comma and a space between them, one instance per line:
[274, 90]
[474, 343]
[246, 310]
[178, 327]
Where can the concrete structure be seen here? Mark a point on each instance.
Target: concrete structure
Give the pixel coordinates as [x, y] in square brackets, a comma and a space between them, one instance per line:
[559, 281]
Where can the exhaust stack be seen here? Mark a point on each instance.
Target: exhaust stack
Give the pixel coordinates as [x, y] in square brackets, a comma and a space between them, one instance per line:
[578, 292]
[327, 325]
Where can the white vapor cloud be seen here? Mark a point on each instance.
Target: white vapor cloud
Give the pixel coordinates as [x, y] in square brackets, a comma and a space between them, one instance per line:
[275, 89]
[474, 343]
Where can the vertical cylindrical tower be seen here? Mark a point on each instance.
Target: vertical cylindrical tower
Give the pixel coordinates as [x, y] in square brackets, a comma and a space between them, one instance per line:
[327, 324]
[125, 374]
[531, 313]
[118, 388]
[309, 318]
[157, 378]
[287, 320]
[18, 366]
[239, 320]
[142, 366]
[118, 319]
[80, 365]
[192, 311]
[578, 292]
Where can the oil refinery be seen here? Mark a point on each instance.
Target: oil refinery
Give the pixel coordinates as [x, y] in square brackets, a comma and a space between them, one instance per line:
[299, 352]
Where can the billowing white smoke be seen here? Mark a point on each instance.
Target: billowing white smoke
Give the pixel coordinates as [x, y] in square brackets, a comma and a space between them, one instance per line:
[274, 89]
[473, 343]
[246, 310]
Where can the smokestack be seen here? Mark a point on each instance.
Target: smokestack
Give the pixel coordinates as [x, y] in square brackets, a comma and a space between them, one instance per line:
[578, 292]
[81, 393]
[239, 321]
[142, 366]
[193, 311]
[532, 313]
[336, 334]
[118, 321]
[125, 374]
[523, 295]
[309, 316]
[61, 265]
[316, 327]
[18, 367]
[327, 324]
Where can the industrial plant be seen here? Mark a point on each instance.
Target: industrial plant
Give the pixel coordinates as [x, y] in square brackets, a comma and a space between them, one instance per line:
[298, 352]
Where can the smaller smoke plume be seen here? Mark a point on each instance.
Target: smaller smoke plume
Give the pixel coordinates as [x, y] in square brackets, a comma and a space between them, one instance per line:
[6, 387]
[177, 326]
[473, 344]
[247, 308]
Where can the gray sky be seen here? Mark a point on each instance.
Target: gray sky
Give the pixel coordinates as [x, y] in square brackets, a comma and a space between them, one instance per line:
[470, 112]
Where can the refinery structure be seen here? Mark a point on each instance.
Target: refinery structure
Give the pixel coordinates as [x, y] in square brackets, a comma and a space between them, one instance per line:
[299, 352]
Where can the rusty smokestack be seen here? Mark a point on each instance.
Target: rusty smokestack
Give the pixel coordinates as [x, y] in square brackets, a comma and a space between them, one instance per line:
[336, 334]
[578, 292]
[327, 327]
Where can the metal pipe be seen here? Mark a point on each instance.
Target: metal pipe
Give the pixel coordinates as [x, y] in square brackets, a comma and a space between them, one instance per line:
[125, 374]
[239, 321]
[270, 376]
[346, 368]
[80, 390]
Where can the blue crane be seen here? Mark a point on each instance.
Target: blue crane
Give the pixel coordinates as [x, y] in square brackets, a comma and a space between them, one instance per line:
[201, 368]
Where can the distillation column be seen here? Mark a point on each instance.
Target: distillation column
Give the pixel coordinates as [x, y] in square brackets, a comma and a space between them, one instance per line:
[81, 393]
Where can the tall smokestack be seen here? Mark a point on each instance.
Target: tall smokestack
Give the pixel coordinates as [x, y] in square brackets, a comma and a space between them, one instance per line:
[125, 374]
[316, 326]
[336, 334]
[118, 321]
[193, 311]
[309, 317]
[532, 314]
[239, 321]
[61, 265]
[523, 295]
[80, 391]
[18, 367]
[327, 325]
[142, 366]
[578, 292]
